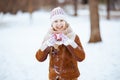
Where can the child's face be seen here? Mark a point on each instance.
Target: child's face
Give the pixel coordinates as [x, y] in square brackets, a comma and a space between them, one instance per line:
[59, 25]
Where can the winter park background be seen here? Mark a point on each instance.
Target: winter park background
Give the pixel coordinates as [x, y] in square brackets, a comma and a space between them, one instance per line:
[21, 36]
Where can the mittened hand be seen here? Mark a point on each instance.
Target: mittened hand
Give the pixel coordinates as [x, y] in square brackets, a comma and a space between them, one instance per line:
[60, 39]
[51, 41]
[66, 41]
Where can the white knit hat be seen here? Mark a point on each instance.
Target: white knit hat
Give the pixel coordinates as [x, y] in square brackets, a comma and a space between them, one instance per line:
[57, 13]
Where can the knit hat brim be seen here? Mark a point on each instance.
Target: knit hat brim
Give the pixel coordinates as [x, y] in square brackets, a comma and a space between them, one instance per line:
[56, 17]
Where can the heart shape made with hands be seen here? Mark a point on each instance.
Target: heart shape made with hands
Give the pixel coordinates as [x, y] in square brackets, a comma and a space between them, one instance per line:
[58, 37]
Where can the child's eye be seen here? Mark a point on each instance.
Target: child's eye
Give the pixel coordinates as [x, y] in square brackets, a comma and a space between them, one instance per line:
[61, 20]
[56, 21]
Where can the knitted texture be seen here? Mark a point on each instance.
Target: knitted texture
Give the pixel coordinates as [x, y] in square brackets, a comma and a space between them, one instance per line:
[57, 13]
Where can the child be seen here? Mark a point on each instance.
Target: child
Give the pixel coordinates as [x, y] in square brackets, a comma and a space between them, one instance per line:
[63, 47]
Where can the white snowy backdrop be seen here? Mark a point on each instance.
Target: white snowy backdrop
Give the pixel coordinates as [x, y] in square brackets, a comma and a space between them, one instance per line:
[21, 36]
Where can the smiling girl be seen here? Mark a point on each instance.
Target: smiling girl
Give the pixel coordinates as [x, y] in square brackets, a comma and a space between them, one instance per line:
[64, 48]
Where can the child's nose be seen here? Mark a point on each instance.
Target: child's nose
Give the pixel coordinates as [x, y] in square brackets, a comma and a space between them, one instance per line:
[59, 26]
[59, 23]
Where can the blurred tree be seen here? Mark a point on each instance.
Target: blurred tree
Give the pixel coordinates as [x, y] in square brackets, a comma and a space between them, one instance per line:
[13, 6]
[108, 9]
[75, 7]
[112, 4]
[53, 3]
[94, 20]
[84, 1]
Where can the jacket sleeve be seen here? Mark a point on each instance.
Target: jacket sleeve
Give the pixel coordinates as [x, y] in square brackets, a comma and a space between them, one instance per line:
[78, 52]
[42, 55]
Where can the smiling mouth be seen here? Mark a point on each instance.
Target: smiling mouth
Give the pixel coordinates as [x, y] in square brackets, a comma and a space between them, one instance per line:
[60, 27]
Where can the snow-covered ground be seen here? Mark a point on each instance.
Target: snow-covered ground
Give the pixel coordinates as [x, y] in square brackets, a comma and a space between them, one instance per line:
[21, 36]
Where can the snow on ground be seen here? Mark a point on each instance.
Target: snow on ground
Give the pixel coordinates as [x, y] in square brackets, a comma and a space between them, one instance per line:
[21, 36]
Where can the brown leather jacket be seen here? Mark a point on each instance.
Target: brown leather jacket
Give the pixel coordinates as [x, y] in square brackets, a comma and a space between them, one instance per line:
[63, 62]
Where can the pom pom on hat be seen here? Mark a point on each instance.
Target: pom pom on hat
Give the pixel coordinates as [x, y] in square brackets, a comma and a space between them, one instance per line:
[57, 13]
